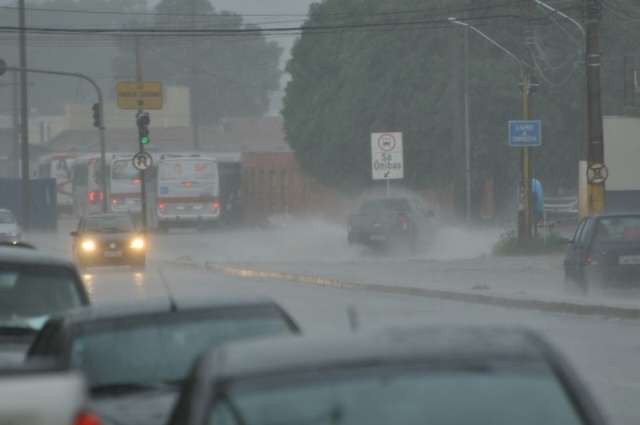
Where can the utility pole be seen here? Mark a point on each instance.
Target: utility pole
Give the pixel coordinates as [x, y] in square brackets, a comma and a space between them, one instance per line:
[24, 119]
[15, 151]
[193, 89]
[525, 162]
[143, 173]
[595, 132]
[467, 129]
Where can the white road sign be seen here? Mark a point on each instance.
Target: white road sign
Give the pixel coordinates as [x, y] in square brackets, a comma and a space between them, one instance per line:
[387, 160]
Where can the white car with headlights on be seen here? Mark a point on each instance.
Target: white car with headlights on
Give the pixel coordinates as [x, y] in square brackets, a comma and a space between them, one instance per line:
[108, 239]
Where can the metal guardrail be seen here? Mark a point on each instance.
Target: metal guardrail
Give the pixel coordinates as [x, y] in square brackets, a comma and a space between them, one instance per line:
[561, 205]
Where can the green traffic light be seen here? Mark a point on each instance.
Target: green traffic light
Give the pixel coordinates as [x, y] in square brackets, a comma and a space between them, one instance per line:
[145, 140]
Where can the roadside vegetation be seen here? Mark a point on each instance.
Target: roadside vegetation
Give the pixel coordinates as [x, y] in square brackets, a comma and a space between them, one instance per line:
[509, 245]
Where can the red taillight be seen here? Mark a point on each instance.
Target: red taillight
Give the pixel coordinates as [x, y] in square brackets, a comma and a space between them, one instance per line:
[215, 205]
[87, 418]
[404, 221]
[95, 196]
[137, 181]
[187, 184]
[114, 201]
[162, 205]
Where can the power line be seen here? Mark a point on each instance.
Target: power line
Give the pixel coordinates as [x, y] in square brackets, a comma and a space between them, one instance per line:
[242, 31]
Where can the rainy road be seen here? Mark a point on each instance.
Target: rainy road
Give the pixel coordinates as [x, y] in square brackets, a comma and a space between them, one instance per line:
[605, 350]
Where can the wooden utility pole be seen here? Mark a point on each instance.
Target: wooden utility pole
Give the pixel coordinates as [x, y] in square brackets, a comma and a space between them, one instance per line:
[595, 132]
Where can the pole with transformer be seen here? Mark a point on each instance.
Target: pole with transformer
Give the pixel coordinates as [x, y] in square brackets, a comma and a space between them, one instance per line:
[595, 132]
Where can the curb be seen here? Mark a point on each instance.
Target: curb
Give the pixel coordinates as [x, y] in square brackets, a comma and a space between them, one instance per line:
[566, 307]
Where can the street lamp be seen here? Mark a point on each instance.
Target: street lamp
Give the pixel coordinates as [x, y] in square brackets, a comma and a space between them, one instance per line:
[561, 14]
[524, 228]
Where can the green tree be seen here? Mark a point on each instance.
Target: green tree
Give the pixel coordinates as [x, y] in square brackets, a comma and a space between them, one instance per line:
[233, 76]
[347, 84]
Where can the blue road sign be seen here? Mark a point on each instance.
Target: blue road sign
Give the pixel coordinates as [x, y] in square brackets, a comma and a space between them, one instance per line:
[524, 134]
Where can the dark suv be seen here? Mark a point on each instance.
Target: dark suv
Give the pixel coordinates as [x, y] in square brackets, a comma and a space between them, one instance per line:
[604, 249]
[391, 222]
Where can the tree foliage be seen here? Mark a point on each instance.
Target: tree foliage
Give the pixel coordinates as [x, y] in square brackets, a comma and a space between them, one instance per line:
[233, 77]
[350, 83]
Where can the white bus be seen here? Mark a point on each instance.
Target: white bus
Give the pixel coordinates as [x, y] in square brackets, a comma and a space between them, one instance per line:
[59, 167]
[188, 190]
[87, 185]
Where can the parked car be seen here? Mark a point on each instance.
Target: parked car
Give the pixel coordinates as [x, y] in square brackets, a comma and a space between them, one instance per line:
[33, 286]
[42, 396]
[605, 249]
[9, 227]
[136, 356]
[437, 375]
[390, 222]
[108, 239]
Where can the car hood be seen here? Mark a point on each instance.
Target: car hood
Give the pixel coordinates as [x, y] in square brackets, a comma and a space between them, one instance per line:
[110, 236]
[8, 228]
[149, 408]
[13, 351]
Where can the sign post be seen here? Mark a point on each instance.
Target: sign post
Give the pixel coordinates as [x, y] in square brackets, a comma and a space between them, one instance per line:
[387, 157]
[525, 134]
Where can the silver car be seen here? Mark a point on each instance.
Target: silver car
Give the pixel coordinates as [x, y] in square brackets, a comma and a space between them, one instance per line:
[9, 228]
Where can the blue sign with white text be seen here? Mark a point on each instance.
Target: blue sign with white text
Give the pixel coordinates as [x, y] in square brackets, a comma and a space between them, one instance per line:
[523, 134]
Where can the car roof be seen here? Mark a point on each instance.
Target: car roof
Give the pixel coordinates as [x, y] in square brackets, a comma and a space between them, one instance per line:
[395, 346]
[22, 256]
[106, 312]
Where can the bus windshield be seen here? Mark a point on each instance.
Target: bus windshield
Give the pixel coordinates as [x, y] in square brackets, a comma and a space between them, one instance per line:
[123, 169]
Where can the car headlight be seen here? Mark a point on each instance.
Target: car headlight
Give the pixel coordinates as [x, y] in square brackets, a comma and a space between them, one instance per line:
[137, 243]
[88, 245]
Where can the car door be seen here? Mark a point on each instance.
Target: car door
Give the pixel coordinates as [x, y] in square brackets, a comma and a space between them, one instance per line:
[571, 255]
[583, 249]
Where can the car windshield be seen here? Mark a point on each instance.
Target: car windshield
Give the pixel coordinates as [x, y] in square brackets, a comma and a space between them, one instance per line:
[109, 224]
[159, 351]
[408, 397]
[28, 295]
[618, 229]
[6, 218]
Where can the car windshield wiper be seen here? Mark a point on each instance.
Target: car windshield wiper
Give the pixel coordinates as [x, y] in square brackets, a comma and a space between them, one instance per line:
[17, 330]
[120, 388]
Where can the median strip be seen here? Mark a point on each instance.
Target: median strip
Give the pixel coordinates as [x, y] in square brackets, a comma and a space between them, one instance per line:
[565, 307]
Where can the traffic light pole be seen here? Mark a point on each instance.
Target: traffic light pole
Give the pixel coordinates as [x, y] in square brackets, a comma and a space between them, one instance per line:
[103, 143]
[143, 173]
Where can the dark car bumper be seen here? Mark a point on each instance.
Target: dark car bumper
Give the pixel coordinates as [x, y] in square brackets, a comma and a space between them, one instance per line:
[613, 273]
[106, 258]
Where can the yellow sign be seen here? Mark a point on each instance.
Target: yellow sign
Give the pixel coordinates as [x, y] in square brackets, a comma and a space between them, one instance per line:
[140, 95]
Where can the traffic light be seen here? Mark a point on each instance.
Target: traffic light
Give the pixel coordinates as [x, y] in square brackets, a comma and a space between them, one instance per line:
[96, 115]
[143, 120]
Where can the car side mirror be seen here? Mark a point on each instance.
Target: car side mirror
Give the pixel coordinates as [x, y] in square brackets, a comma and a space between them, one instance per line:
[74, 234]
